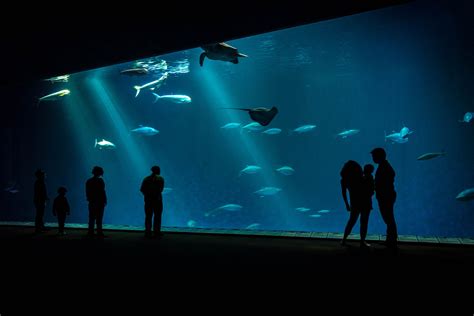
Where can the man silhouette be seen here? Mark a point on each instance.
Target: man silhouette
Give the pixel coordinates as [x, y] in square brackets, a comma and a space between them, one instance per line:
[151, 187]
[385, 194]
[95, 192]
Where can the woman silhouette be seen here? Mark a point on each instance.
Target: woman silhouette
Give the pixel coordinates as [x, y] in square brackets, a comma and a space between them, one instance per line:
[351, 180]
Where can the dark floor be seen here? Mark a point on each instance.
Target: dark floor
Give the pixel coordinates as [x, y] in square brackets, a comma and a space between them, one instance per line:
[46, 266]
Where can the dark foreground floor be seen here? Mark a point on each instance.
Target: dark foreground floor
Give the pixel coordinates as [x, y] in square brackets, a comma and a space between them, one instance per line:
[126, 266]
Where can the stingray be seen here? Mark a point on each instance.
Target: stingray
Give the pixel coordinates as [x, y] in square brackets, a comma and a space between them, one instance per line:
[263, 116]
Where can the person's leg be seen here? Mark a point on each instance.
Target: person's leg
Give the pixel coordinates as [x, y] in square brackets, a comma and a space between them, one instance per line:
[91, 219]
[350, 224]
[364, 224]
[61, 220]
[99, 218]
[148, 218]
[392, 234]
[158, 210]
[39, 224]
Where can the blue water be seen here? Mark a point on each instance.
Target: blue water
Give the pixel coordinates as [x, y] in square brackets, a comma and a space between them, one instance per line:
[379, 71]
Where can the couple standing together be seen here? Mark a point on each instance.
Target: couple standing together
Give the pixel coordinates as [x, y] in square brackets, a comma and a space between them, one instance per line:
[361, 186]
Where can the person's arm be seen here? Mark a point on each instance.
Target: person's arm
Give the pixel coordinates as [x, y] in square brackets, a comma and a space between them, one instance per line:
[162, 184]
[344, 196]
[103, 190]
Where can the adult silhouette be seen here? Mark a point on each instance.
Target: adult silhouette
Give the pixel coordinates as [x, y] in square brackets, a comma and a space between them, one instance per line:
[152, 187]
[95, 192]
[385, 194]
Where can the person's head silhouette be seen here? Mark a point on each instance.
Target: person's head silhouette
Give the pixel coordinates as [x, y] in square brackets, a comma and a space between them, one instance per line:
[368, 169]
[40, 174]
[98, 171]
[156, 170]
[62, 191]
[378, 155]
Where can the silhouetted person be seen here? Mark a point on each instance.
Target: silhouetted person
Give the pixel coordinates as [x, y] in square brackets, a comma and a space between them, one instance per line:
[95, 192]
[351, 180]
[151, 187]
[39, 199]
[367, 193]
[61, 209]
[385, 194]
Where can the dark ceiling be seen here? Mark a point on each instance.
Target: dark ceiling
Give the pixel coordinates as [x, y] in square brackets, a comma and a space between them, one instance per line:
[74, 39]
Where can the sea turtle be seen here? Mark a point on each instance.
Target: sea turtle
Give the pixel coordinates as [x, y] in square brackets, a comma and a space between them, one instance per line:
[220, 51]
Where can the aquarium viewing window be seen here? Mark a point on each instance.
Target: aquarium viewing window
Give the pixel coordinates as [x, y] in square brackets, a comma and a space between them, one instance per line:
[252, 134]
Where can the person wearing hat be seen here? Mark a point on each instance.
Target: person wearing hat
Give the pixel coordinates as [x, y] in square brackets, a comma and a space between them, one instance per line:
[152, 187]
[385, 194]
[95, 192]
[61, 209]
[40, 198]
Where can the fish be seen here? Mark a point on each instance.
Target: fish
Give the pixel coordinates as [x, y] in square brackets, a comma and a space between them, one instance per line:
[250, 169]
[347, 133]
[304, 129]
[261, 115]
[191, 223]
[315, 215]
[254, 127]
[166, 190]
[155, 84]
[54, 96]
[253, 226]
[467, 117]
[267, 191]
[145, 130]
[396, 138]
[104, 144]
[429, 156]
[12, 188]
[405, 131]
[63, 78]
[302, 209]
[135, 72]
[466, 195]
[176, 98]
[286, 170]
[231, 125]
[272, 131]
[324, 211]
[226, 207]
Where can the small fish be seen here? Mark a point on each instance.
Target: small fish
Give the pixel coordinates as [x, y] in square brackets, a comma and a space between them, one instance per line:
[175, 98]
[166, 190]
[272, 131]
[267, 191]
[302, 209]
[63, 78]
[104, 144]
[253, 226]
[324, 211]
[429, 156]
[304, 129]
[347, 133]
[467, 117]
[231, 125]
[135, 72]
[466, 195]
[254, 127]
[286, 170]
[315, 215]
[54, 96]
[191, 223]
[145, 130]
[226, 207]
[249, 169]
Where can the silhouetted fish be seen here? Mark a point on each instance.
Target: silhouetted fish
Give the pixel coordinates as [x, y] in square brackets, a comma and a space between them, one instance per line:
[261, 115]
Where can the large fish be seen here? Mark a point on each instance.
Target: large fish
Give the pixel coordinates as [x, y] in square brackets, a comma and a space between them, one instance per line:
[155, 84]
[54, 96]
[347, 133]
[135, 72]
[104, 144]
[226, 207]
[145, 130]
[267, 191]
[63, 78]
[250, 170]
[304, 128]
